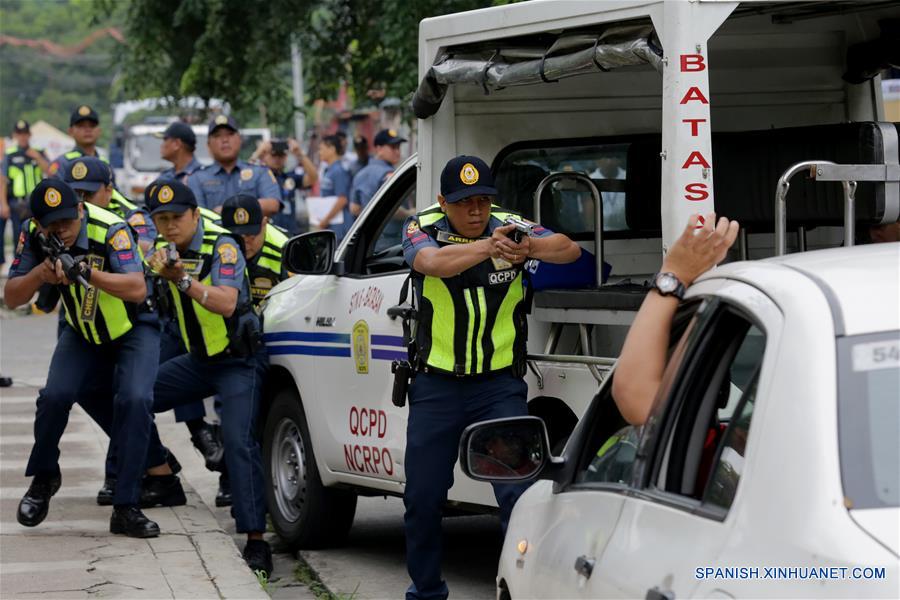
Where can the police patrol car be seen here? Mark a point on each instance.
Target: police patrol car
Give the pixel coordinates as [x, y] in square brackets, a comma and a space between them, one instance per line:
[593, 114]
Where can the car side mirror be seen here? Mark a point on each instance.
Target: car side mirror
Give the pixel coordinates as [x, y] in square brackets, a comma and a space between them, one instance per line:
[505, 450]
[310, 253]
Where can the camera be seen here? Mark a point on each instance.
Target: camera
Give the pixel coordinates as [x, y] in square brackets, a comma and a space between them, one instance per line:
[279, 147]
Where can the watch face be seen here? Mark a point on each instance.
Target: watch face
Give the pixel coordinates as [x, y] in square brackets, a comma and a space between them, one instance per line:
[666, 283]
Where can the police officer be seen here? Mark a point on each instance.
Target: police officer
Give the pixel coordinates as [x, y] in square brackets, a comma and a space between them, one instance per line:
[108, 349]
[468, 279]
[273, 154]
[22, 168]
[211, 298]
[371, 177]
[84, 127]
[91, 178]
[229, 175]
[178, 145]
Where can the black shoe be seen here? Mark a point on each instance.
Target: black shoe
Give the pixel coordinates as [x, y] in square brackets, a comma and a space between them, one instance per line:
[5, 381]
[207, 442]
[162, 490]
[259, 557]
[132, 522]
[173, 463]
[106, 493]
[36, 501]
[223, 496]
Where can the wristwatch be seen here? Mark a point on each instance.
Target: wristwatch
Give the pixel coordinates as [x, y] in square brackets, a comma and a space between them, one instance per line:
[184, 283]
[667, 284]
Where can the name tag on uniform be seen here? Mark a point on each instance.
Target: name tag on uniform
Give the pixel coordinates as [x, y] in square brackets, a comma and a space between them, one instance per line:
[192, 266]
[453, 238]
[89, 304]
[260, 287]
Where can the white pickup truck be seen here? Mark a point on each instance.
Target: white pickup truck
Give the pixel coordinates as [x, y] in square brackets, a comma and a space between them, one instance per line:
[611, 122]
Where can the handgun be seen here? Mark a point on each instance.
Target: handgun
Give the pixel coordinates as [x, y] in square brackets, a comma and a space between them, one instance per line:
[56, 250]
[522, 228]
[171, 255]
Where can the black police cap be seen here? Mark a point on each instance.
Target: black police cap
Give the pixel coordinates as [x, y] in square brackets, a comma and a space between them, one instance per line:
[83, 113]
[466, 176]
[53, 200]
[168, 195]
[179, 131]
[88, 173]
[22, 126]
[388, 137]
[223, 121]
[242, 214]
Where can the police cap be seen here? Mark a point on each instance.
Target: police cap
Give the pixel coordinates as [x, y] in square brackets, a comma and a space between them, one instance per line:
[53, 200]
[22, 126]
[223, 121]
[88, 173]
[168, 195]
[242, 214]
[466, 176]
[84, 113]
[179, 131]
[388, 137]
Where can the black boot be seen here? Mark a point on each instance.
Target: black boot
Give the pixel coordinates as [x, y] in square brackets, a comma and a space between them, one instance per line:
[258, 555]
[36, 501]
[106, 493]
[129, 519]
[162, 490]
[207, 442]
[223, 496]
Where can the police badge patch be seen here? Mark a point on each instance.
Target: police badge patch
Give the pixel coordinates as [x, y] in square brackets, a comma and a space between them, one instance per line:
[246, 174]
[120, 241]
[79, 171]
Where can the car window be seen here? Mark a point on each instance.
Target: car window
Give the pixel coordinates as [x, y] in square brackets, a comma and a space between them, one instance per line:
[391, 232]
[715, 382]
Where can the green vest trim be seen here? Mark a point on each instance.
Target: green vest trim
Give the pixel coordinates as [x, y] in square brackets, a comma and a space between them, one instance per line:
[98, 316]
[205, 334]
[120, 205]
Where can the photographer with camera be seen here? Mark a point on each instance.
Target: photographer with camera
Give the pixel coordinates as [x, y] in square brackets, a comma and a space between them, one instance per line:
[468, 347]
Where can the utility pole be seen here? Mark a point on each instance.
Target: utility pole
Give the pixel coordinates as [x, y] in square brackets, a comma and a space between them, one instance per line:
[297, 76]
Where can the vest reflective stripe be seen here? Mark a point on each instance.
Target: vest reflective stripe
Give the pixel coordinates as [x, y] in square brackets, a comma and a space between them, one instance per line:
[210, 215]
[119, 204]
[467, 324]
[23, 178]
[72, 154]
[114, 317]
[205, 333]
[271, 251]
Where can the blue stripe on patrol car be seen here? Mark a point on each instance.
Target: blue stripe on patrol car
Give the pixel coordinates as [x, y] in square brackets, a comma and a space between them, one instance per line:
[310, 350]
[379, 354]
[307, 336]
[387, 340]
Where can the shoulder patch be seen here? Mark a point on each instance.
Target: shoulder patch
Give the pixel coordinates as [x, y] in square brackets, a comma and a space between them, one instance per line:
[54, 167]
[412, 227]
[20, 245]
[137, 219]
[227, 253]
[120, 240]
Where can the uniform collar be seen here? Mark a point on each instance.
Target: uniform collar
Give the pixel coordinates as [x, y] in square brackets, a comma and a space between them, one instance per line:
[382, 162]
[189, 168]
[197, 241]
[238, 166]
[78, 148]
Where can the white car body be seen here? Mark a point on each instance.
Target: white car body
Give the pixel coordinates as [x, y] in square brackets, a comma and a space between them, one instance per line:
[790, 509]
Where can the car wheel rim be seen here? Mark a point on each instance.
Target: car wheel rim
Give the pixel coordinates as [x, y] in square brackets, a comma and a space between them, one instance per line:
[288, 469]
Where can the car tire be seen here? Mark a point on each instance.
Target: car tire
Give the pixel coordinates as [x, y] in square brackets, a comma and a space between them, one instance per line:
[304, 513]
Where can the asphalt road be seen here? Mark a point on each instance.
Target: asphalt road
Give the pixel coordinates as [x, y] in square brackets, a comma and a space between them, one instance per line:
[372, 562]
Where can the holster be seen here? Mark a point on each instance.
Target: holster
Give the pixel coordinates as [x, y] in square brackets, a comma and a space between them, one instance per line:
[246, 339]
[403, 376]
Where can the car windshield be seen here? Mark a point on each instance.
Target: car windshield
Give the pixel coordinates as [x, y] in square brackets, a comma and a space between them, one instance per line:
[869, 419]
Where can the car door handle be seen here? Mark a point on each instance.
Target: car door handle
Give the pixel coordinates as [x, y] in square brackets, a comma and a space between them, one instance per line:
[402, 311]
[585, 565]
[658, 594]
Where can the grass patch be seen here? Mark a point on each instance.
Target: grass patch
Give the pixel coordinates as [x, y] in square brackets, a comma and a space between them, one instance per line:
[263, 580]
[306, 575]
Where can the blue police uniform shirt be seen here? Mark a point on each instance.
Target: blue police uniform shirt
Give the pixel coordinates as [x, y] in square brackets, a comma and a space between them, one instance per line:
[143, 225]
[415, 239]
[212, 185]
[61, 163]
[289, 183]
[367, 181]
[225, 272]
[336, 181]
[124, 259]
[191, 168]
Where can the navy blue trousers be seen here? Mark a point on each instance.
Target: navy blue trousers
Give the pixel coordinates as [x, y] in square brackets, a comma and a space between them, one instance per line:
[238, 383]
[440, 407]
[82, 372]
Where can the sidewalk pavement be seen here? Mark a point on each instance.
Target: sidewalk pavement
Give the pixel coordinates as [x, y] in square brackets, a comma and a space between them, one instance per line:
[72, 554]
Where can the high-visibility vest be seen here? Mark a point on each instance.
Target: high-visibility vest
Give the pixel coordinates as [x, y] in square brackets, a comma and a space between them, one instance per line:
[121, 205]
[265, 269]
[205, 334]
[474, 322]
[98, 316]
[23, 173]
